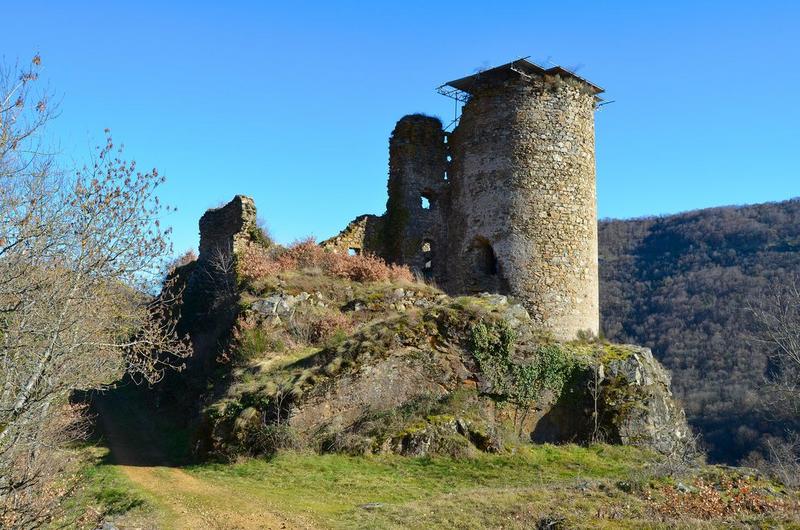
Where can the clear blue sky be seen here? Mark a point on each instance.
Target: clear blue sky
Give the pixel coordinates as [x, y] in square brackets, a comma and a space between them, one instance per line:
[293, 102]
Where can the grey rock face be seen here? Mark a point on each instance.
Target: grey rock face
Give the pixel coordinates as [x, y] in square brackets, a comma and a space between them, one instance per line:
[273, 305]
[634, 402]
[647, 414]
[282, 305]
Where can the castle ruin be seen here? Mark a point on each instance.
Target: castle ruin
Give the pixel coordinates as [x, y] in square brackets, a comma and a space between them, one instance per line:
[505, 203]
[227, 229]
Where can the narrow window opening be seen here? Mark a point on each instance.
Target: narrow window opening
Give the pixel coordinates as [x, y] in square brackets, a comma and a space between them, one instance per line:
[353, 251]
[427, 199]
[486, 259]
[445, 175]
[427, 258]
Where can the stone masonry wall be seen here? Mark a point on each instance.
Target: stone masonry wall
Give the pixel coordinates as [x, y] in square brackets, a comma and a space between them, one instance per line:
[523, 206]
[224, 232]
[413, 233]
[227, 228]
[362, 235]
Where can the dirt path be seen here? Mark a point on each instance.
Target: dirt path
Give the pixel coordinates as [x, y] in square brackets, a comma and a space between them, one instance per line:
[188, 502]
[192, 503]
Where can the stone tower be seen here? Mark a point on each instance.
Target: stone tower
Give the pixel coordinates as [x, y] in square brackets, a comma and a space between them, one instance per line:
[415, 210]
[505, 203]
[523, 217]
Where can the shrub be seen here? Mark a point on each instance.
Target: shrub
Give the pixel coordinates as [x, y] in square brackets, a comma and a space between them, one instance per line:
[725, 497]
[271, 438]
[258, 262]
[327, 325]
[312, 325]
[260, 235]
[184, 259]
[521, 383]
[367, 268]
[782, 461]
[252, 340]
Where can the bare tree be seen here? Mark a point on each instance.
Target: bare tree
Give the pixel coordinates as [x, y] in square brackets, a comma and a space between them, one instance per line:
[80, 254]
[777, 319]
[594, 385]
[219, 270]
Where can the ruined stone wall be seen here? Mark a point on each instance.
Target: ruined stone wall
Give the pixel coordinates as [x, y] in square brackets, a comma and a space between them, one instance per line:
[227, 228]
[211, 293]
[362, 235]
[413, 234]
[523, 207]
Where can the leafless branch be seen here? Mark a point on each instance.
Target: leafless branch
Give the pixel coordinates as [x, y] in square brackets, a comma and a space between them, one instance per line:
[79, 253]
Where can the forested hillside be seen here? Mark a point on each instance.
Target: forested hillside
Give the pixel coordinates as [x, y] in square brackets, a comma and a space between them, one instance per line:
[681, 285]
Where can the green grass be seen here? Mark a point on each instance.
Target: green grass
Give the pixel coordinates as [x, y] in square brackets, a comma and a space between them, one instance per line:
[333, 488]
[103, 491]
[256, 342]
[600, 486]
[112, 491]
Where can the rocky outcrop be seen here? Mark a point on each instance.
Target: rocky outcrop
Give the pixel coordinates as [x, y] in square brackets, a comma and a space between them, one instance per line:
[421, 382]
[628, 391]
[637, 391]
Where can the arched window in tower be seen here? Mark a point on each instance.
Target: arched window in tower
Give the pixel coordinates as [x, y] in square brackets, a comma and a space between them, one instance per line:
[485, 259]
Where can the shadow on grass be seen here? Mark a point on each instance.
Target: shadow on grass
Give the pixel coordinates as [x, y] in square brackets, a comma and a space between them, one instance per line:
[137, 432]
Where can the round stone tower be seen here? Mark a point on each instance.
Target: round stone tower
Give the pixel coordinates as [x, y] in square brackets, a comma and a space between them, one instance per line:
[523, 217]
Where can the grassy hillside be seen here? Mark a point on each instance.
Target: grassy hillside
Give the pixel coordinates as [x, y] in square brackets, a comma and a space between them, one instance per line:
[146, 482]
[577, 487]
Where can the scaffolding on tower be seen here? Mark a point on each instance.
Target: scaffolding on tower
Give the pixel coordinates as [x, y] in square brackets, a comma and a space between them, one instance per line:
[459, 98]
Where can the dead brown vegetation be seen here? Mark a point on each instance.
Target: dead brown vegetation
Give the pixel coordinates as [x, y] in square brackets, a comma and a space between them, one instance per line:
[258, 262]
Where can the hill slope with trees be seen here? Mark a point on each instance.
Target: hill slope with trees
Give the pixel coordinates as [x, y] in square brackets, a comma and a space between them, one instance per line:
[682, 285]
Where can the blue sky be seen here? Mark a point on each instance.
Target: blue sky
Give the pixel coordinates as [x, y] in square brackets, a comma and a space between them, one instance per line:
[293, 102]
